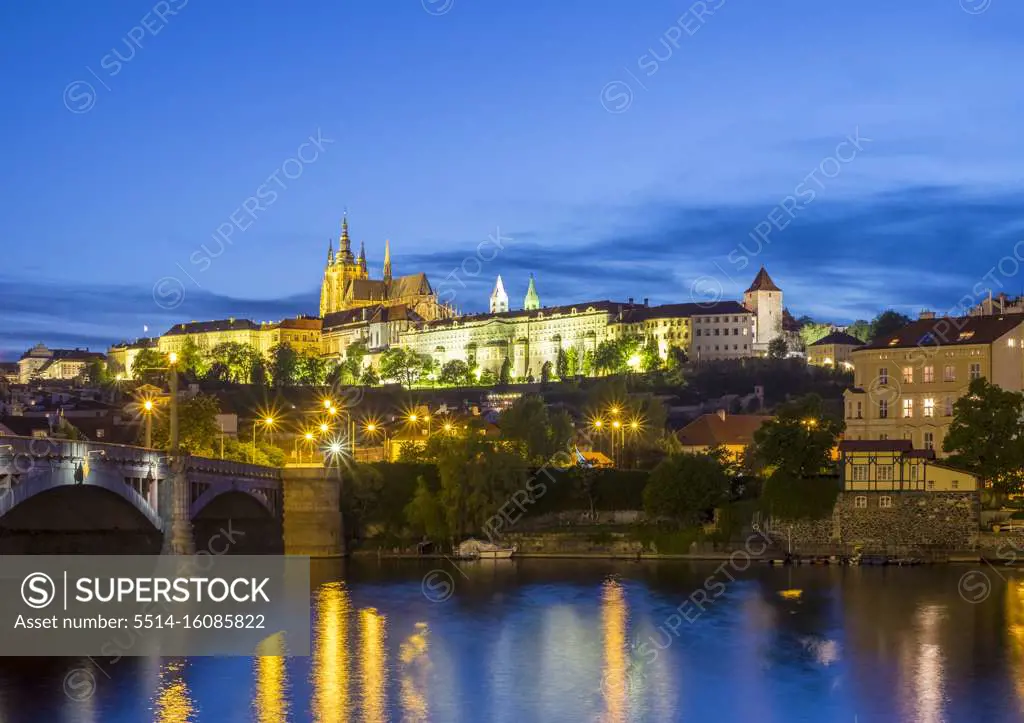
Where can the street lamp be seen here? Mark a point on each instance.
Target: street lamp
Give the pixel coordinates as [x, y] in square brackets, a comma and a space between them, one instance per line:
[147, 409]
[266, 421]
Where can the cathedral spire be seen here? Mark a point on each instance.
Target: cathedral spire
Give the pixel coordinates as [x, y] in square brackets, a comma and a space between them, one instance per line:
[532, 300]
[344, 244]
[387, 260]
[330, 251]
[499, 299]
[362, 256]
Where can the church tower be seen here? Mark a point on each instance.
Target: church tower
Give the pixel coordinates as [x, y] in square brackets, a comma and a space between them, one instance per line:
[499, 299]
[387, 260]
[764, 299]
[532, 300]
[342, 268]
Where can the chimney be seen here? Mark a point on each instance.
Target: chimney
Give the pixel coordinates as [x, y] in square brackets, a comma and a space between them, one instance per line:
[721, 414]
[926, 314]
[630, 300]
[647, 302]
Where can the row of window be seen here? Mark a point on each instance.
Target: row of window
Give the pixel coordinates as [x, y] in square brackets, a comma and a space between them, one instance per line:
[928, 374]
[716, 319]
[721, 332]
[725, 347]
[907, 408]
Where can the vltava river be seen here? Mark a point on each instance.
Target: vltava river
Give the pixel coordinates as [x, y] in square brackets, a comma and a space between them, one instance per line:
[540, 640]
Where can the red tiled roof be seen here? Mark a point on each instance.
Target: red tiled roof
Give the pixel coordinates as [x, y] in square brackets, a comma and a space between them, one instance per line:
[709, 430]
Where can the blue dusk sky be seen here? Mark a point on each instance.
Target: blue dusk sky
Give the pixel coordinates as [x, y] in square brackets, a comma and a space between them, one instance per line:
[867, 153]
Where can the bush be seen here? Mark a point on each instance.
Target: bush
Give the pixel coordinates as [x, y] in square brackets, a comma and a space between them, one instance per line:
[787, 497]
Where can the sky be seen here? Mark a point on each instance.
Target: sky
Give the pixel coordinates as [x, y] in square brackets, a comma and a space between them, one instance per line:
[866, 153]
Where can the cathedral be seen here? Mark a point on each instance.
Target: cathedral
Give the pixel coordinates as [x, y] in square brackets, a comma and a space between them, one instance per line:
[347, 284]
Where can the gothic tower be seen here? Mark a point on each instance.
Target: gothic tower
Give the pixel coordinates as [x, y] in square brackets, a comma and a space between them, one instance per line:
[764, 299]
[532, 300]
[499, 299]
[387, 260]
[342, 268]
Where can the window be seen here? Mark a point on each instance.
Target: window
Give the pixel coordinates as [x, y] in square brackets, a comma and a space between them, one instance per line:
[858, 411]
[883, 409]
[1011, 342]
[860, 502]
[931, 484]
[928, 374]
[947, 407]
[929, 407]
[929, 440]
[908, 375]
[883, 473]
[860, 473]
[908, 408]
[955, 484]
[885, 501]
[913, 473]
[949, 373]
[975, 372]
[883, 437]
[883, 376]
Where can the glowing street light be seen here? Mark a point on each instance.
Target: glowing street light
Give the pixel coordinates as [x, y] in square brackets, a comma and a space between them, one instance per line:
[325, 428]
[268, 422]
[147, 409]
[633, 362]
[328, 404]
[172, 357]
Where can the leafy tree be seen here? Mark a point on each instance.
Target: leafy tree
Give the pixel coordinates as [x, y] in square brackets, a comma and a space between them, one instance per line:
[356, 351]
[799, 440]
[789, 497]
[860, 329]
[235, 361]
[886, 323]
[545, 373]
[686, 488]
[424, 513]
[812, 331]
[284, 364]
[428, 366]
[192, 358]
[402, 365]
[542, 435]
[370, 377]
[198, 430]
[777, 348]
[572, 363]
[585, 488]
[363, 485]
[150, 367]
[311, 370]
[587, 364]
[259, 375]
[505, 375]
[650, 357]
[986, 436]
[488, 378]
[455, 373]
[562, 364]
[98, 373]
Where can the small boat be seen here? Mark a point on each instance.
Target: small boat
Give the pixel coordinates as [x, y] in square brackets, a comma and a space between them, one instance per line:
[473, 549]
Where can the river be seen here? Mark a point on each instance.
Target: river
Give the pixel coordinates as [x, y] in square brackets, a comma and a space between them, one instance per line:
[546, 640]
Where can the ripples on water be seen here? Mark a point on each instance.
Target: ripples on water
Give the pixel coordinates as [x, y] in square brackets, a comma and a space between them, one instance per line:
[529, 641]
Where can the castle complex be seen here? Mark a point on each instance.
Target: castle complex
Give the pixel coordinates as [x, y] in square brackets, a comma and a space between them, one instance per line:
[404, 311]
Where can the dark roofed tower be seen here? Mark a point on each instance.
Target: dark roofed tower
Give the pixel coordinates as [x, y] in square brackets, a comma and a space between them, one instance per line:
[764, 299]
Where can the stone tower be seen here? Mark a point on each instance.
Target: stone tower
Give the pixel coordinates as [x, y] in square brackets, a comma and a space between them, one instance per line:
[764, 300]
[342, 267]
[499, 299]
[532, 300]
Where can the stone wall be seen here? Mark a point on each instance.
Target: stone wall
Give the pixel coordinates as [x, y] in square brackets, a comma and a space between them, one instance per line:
[611, 544]
[312, 513]
[915, 520]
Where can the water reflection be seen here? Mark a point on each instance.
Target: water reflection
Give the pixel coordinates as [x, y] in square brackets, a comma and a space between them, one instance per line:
[330, 671]
[271, 701]
[415, 667]
[615, 681]
[373, 654]
[173, 703]
[923, 664]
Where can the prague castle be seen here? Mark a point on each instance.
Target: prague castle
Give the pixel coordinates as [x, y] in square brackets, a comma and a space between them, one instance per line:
[404, 312]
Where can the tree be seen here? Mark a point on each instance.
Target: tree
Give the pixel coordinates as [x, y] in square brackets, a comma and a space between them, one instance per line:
[311, 370]
[235, 361]
[402, 365]
[800, 439]
[258, 372]
[488, 378]
[572, 362]
[542, 435]
[370, 377]
[650, 356]
[811, 331]
[686, 488]
[197, 427]
[363, 487]
[97, 372]
[860, 329]
[150, 366]
[505, 375]
[584, 487]
[545, 373]
[192, 358]
[424, 513]
[986, 436]
[562, 364]
[454, 373]
[887, 323]
[777, 348]
[284, 364]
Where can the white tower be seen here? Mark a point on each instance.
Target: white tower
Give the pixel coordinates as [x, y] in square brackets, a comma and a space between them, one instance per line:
[499, 299]
[764, 299]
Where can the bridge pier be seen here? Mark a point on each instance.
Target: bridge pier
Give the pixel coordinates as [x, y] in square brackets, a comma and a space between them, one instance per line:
[312, 512]
[174, 511]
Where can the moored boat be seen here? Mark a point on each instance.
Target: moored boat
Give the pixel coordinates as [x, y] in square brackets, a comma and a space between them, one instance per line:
[473, 549]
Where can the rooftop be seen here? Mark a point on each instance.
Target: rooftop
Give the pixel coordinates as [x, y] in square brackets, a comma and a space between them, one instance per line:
[839, 337]
[710, 430]
[949, 331]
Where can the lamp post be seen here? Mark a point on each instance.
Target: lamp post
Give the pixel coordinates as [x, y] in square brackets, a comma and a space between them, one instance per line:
[269, 423]
[173, 371]
[147, 409]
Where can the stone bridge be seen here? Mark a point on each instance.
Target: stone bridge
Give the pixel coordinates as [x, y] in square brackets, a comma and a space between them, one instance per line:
[67, 496]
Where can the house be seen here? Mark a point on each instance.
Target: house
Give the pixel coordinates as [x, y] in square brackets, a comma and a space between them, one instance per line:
[733, 432]
[834, 350]
[893, 465]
